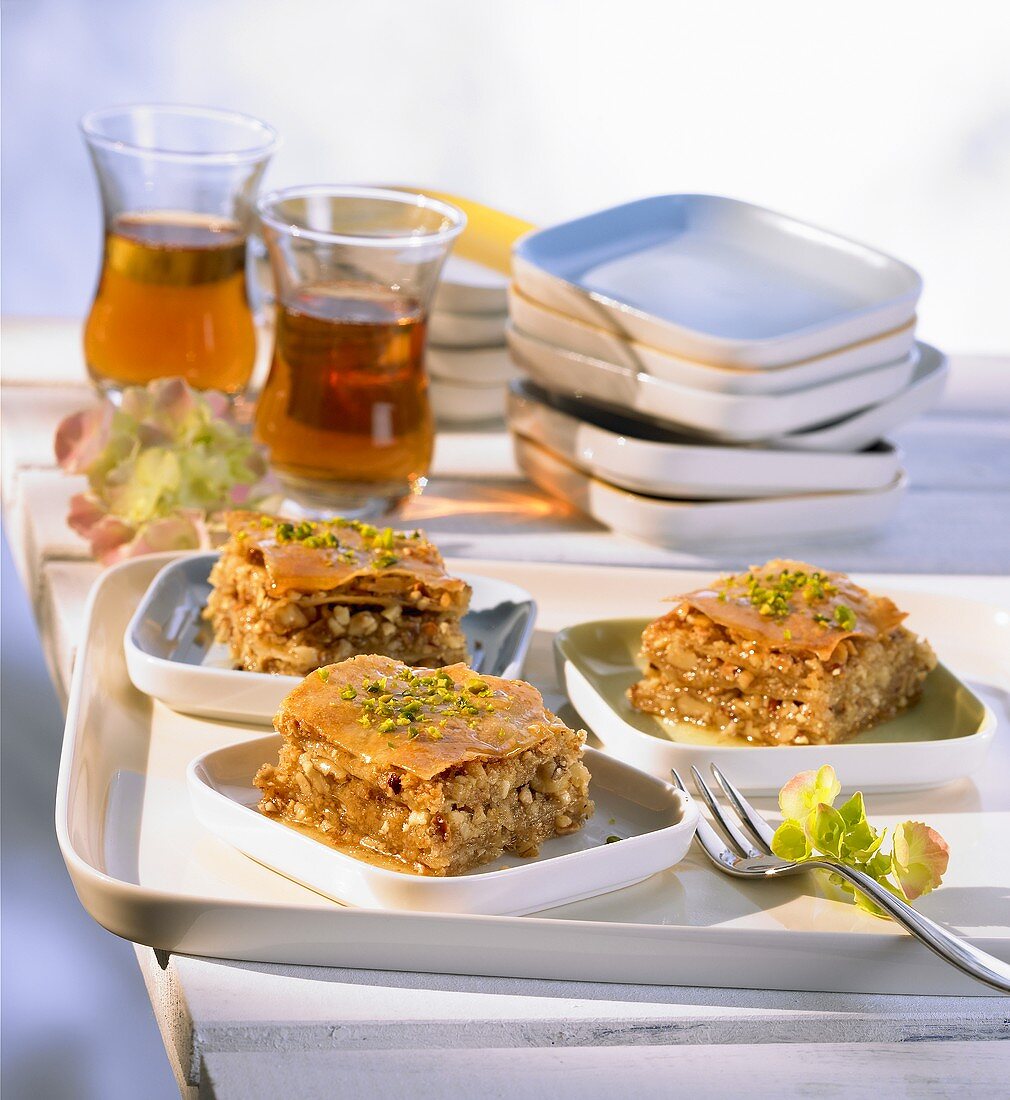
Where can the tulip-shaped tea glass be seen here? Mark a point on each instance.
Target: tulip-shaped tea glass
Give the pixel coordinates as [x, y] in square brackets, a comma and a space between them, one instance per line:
[345, 409]
[178, 188]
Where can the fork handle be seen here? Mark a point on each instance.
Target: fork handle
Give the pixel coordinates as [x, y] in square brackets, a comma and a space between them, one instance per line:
[951, 948]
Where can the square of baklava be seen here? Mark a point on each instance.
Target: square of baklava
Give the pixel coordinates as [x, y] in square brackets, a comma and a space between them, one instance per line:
[289, 597]
[440, 770]
[782, 654]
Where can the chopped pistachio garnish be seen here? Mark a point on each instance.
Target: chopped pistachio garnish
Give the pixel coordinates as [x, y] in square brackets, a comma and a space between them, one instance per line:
[323, 674]
[416, 704]
[320, 535]
[772, 593]
[845, 617]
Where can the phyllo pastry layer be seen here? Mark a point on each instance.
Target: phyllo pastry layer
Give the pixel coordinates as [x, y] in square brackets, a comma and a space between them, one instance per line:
[783, 654]
[441, 770]
[291, 597]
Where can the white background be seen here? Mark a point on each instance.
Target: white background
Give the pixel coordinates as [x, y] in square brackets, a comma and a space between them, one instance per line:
[887, 121]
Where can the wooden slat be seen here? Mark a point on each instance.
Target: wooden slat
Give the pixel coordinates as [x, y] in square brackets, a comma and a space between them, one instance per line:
[899, 1071]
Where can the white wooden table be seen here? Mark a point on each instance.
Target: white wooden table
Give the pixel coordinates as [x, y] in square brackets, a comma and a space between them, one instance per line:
[244, 1030]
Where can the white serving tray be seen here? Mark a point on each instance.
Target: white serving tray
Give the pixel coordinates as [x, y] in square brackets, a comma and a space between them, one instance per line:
[654, 820]
[466, 330]
[717, 280]
[145, 868]
[734, 417]
[641, 457]
[471, 366]
[171, 654]
[755, 522]
[547, 324]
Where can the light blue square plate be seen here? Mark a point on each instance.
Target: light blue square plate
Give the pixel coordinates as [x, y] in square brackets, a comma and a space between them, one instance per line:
[716, 280]
[171, 653]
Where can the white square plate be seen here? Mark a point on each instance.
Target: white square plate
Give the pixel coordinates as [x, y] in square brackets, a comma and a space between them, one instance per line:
[735, 417]
[945, 736]
[471, 366]
[466, 403]
[644, 458]
[537, 320]
[466, 330]
[654, 820]
[171, 654]
[863, 428]
[467, 286]
[716, 279]
[756, 523]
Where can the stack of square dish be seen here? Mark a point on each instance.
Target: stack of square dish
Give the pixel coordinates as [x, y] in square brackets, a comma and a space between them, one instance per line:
[468, 363]
[686, 357]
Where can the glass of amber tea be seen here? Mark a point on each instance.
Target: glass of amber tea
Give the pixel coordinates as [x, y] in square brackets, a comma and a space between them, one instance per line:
[345, 409]
[178, 188]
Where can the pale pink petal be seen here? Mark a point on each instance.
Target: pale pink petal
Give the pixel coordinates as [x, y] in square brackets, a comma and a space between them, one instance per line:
[219, 405]
[82, 436]
[85, 512]
[919, 856]
[135, 402]
[108, 539]
[172, 400]
[175, 533]
[807, 790]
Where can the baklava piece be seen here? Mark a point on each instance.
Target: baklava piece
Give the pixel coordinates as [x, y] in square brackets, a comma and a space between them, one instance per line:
[290, 597]
[784, 654]
[441, 770]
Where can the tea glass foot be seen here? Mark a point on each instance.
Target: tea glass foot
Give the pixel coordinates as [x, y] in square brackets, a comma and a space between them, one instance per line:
[314, 500]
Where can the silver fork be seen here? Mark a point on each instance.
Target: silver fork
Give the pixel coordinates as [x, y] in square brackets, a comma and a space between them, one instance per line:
[750, 856]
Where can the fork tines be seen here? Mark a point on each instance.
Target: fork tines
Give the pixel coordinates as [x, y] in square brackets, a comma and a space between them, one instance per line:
[711, 842]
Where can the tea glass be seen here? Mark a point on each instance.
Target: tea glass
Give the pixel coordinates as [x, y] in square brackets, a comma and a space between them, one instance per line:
[345, 410]
[178, 188]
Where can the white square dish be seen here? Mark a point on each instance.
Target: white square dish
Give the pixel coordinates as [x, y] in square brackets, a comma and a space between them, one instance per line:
[685, 523]
[171, 654]
[466, 402]
[469, 287]
[537, 320]
[654, 820]
[861, 429]
[644, 458]
[471, 366]
[741, 418]
[948, 734]
[466, 330]
[716, 279]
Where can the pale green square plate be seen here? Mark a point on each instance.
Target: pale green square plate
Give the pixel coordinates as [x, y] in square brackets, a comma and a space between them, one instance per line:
[944, 736]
